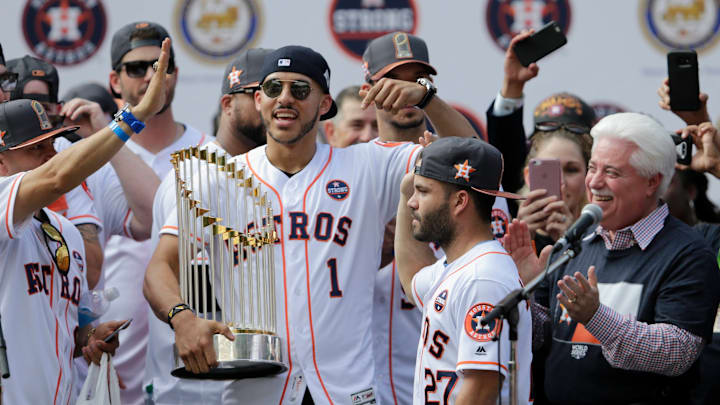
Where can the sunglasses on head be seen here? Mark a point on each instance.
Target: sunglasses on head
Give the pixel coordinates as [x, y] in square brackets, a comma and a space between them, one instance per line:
[578, 129]
[8, 81]
[138, 68]
[299, 89]
[61, 255]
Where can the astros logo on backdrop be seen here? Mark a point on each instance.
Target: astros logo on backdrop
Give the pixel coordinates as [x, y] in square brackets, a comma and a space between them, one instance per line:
[354, 23]
[681, 24]
[64, 32]
[506, 18]
[218, 30]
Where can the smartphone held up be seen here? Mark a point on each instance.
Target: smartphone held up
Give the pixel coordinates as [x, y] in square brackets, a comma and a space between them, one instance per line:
[683, 80]
[538, 45]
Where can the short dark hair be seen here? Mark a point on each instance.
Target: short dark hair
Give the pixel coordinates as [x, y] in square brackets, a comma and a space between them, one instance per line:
[145, 33]
[483, 202]
[350, 92]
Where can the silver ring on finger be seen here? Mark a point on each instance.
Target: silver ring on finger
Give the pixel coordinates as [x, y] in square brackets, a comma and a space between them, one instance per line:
[572, 300]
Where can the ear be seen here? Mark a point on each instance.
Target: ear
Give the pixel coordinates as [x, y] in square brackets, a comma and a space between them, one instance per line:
[226, 103]
[258, 99]
[653, 184]
[115, 82]
[329, 128]
[459, 202]
[325, 104]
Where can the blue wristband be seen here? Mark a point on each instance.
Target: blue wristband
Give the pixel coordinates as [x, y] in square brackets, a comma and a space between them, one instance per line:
[119, 131]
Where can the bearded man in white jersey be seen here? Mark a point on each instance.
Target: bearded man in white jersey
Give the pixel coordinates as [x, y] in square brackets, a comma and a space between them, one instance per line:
[43, 275]
[448, 201]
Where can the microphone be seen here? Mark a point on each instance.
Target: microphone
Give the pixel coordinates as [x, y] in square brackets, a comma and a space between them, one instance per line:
[590, 216]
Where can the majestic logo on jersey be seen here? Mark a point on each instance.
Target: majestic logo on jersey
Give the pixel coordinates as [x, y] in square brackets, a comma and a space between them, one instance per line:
[337, 189]
[499, 222]
[78, 260]
[218, 30]
[506, 18]
[440, 301]
[464, 170]
[475, 330]
[354, 23]
[64, 32]
[234, 76]
[480, 351]
[681, 24]
[365, 397]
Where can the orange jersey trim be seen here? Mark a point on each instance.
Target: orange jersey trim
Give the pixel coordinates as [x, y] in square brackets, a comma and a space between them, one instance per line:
[282, 249]
[482, 363]
[409, 161]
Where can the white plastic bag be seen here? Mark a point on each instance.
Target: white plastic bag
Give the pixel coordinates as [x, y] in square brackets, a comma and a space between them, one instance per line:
[98, 389]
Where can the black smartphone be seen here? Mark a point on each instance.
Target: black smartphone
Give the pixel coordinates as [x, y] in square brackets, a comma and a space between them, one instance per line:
[116, 331]
[541, 43]
[683, 80]
[683, 148]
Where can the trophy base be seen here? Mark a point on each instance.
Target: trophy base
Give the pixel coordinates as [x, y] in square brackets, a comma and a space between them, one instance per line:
[250, 355]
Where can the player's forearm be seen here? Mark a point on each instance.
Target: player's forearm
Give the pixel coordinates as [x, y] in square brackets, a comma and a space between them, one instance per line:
[139, 183]
[93, 253]
[410, 255]
[66, 170]
[447, 121]
[161, 286]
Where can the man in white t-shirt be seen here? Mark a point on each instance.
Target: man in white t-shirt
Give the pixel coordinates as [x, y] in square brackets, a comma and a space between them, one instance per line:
[448, 201]
[43, 275]
[240, 129]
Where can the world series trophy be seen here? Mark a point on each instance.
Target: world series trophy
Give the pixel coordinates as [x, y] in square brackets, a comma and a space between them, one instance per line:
[226, 237]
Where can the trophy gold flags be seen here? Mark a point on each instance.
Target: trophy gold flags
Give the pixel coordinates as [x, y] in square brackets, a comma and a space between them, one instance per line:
[226, 238]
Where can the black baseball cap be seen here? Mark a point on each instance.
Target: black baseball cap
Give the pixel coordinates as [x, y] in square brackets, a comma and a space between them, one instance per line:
[564, 108]
[122, 42]
[24, 122]
[93, 92]
[245, 70]
[467, 162]
[31, 68]
[392, 50]
[303, 60]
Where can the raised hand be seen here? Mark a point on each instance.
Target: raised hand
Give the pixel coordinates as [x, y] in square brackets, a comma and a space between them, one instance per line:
[515, 73]
[706, 140]
[85, 113]
[154, 99]
[580, 295]
[690, 117]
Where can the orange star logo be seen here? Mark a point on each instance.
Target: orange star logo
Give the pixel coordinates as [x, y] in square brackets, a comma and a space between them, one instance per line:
[2, 136]
[234, 77]
[464, 170]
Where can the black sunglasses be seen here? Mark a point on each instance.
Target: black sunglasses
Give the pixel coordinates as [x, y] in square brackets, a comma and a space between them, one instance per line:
[299, 89]
[138, 68]
[8, 81]
[61, 255]
[578, 129]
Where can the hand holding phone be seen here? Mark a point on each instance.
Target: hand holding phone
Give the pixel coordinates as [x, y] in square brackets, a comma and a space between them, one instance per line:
[546, 173]
[540, 44]
[117, 331]
[683, 148]
[683, 80]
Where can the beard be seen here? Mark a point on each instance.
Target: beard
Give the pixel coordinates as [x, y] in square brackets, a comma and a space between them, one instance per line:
[255, 133]
[436, 226]
[304, 130]
[407, 125]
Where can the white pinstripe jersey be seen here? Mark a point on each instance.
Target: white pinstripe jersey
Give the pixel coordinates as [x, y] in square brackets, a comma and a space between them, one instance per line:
[38, 304]
[453, 298]
[330, 220]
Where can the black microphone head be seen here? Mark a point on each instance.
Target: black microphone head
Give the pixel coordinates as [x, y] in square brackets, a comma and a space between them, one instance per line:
[594, 211]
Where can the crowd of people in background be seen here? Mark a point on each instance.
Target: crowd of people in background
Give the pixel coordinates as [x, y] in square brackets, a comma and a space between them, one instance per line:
[436, 229]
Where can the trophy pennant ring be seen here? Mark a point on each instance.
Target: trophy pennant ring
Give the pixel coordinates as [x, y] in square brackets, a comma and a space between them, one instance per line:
[226, 237]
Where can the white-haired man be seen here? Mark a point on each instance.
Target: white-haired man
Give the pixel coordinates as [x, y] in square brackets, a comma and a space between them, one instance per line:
[630, 314]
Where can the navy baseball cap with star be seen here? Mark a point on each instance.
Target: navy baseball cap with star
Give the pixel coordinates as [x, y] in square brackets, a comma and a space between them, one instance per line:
[389, 51]
[467, 162]
[244, 71]
[24, 122]
[303, 60]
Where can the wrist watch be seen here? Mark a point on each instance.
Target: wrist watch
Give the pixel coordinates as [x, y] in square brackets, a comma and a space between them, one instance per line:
[126, 116]
[176, 310]
[430, 91]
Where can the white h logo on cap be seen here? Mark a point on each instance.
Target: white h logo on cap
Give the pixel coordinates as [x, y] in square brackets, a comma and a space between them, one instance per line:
[283, 62]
